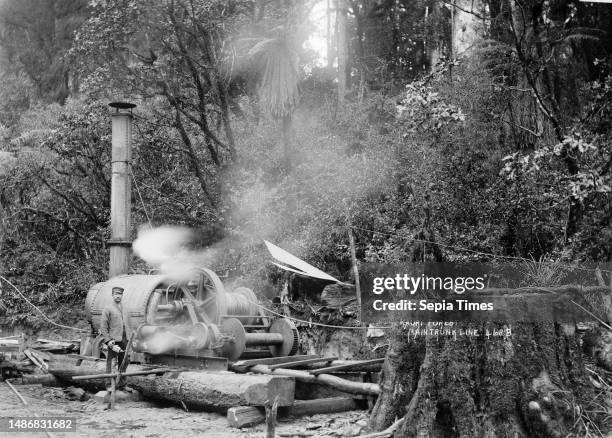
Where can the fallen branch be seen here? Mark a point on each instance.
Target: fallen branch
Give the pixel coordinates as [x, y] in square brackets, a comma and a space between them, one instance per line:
[346, 366]
[25, 403]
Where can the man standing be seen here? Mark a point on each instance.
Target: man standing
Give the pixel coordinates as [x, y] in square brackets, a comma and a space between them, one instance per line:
[114, 329]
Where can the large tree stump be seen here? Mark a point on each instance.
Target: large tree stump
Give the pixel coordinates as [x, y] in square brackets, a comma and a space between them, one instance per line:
[531, 384]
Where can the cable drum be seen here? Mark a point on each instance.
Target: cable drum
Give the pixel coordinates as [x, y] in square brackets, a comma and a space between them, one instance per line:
[241, 302]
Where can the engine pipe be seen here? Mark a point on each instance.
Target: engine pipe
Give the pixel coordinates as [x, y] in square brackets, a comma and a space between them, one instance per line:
[121, 201]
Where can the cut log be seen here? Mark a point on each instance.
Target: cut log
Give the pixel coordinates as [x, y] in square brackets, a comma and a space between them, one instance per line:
[246, 416]
[44, 379]
[323, 406]
[216, 391]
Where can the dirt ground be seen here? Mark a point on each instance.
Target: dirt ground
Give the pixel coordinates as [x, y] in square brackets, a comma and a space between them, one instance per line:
[145, 419]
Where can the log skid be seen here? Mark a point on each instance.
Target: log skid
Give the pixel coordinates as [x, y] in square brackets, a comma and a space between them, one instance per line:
[246, 416]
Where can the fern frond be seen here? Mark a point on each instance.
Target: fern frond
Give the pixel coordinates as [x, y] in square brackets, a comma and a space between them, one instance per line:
[278, 85]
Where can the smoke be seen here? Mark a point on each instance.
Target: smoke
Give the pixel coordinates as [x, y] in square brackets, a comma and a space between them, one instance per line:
[167, 248]
[162, 339]
[157, 245]
[159, 343]
[174, 250]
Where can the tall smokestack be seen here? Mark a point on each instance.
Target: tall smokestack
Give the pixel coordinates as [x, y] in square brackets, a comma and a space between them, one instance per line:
[121, 198]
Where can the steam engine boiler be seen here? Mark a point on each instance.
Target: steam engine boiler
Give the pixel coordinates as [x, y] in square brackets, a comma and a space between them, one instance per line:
[193, 322]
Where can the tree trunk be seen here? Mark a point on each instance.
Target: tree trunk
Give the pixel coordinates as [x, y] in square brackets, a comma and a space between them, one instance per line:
[342, 49]
[329, 38]
[286, 135]
[529, 384]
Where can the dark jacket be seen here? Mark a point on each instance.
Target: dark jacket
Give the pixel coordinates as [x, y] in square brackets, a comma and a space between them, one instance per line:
[112, 323]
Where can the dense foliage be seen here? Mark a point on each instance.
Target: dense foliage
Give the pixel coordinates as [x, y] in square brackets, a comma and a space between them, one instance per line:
[503, 149]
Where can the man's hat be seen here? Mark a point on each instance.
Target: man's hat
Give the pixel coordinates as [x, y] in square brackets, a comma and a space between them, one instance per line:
[117, 290]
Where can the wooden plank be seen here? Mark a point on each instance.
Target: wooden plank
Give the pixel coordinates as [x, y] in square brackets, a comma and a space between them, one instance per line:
[273, 360]
[64, 343]
[83, 357]
[298, 363]
[35, 360]
[347, 366]
[40, 354]
[133, 373]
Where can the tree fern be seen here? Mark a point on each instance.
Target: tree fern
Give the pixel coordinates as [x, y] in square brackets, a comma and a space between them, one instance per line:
[278, 84]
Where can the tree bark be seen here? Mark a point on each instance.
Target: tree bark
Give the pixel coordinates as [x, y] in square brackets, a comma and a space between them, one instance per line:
[216, 391]
[287, 147]
[195, 162]
[342, 49]
[525, 385]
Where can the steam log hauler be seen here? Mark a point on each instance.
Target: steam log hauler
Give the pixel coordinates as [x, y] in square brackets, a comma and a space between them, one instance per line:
[115, 330]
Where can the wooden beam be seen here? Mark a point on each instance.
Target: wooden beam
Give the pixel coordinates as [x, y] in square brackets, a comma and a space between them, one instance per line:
[298, 363]
[346, 366]
[82, 357]
[273, 360]
[133, 373]
[356, 366]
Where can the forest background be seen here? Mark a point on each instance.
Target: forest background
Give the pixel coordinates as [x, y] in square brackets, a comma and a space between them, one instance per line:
[483, 127]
